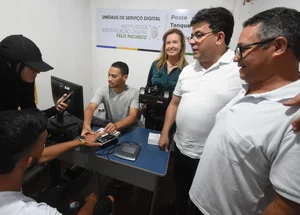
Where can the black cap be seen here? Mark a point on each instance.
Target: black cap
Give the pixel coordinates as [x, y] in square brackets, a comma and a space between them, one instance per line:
[20, 48]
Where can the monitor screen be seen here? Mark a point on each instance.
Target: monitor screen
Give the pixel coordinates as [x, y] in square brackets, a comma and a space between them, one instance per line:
[75, 104]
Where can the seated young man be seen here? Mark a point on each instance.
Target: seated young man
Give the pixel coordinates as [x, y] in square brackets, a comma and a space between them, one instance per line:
[22, 138]
[120, 101]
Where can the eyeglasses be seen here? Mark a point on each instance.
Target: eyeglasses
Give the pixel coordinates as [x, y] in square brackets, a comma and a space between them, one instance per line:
[240, 49]
[197, 36]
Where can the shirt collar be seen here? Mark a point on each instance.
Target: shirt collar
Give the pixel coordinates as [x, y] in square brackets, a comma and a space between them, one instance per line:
[283, 93]
[226, 58]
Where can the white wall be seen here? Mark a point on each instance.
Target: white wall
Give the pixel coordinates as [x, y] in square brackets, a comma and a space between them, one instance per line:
[139, 62]
[65, 31]
[261, 5]
[62, 30]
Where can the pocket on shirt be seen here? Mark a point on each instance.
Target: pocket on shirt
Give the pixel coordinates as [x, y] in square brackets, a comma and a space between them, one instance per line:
[234, 146]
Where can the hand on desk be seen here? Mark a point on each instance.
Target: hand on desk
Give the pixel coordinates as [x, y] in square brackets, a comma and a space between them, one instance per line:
[61, 106]
[87, 130]
[163, 141]
[111, 128]
[90, 139]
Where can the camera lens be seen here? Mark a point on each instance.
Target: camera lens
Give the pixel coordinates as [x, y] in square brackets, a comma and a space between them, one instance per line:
[155, 92]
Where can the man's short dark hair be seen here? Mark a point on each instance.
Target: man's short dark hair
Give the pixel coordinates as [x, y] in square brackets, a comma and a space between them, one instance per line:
[218, 18]
[122, 66]
[278, 22]
[19, 131]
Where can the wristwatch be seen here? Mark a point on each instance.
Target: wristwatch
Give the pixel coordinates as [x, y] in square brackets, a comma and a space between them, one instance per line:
[82, 140]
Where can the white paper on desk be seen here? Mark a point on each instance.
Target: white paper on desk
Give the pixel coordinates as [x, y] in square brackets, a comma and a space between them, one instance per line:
[153, 138]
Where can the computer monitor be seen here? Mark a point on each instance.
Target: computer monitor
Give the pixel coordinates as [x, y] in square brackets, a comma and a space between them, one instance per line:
[75, 101]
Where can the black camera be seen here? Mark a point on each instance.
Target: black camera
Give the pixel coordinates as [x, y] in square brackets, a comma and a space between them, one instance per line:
[153, 91]
[154, 95]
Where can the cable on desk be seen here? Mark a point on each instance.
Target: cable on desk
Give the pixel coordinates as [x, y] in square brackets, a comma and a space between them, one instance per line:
[110, 150]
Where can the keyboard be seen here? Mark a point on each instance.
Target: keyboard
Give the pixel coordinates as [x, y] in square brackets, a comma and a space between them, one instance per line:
[99, 122]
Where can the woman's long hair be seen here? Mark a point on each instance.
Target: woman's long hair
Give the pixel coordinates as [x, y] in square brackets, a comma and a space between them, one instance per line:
[8, 71]
[161, 61]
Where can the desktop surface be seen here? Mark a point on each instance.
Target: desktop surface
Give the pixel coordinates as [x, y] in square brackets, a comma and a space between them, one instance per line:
[150, 159]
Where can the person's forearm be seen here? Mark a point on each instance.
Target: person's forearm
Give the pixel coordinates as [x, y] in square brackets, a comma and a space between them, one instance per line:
[50, 111]
[169, 117]
[281, 206]
[52, 152]
[88, 115]
[129, 120]
[87, 208]
[273, 209]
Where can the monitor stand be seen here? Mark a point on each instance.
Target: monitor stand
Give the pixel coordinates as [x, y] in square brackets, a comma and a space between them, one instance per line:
[63, 127]
[64, 120]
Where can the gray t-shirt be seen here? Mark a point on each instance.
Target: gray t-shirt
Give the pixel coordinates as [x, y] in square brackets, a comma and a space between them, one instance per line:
[117, 105]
